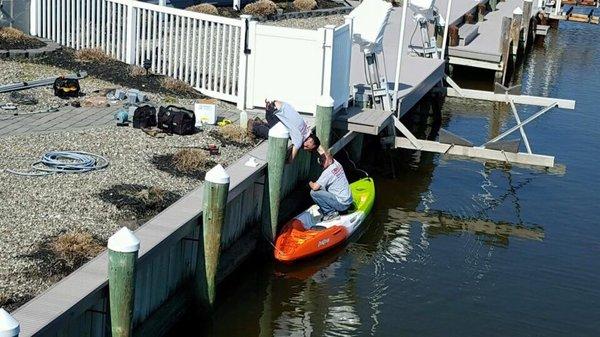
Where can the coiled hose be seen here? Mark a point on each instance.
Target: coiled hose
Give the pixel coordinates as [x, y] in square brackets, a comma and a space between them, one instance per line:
[64, 162]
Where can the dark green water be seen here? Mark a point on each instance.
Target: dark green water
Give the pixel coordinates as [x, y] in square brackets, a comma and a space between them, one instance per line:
[458, 248]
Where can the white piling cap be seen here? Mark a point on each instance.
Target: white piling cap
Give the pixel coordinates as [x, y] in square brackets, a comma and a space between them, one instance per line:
[217, 175]
[325, 101]
[518, 11]
[9, 327]
[124, 241]
[279, 131]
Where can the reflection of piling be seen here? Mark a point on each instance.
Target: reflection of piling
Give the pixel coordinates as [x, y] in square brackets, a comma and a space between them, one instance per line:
[123, 249]
[9, 327]
[278, 140]
[214, 201]
[324, 117]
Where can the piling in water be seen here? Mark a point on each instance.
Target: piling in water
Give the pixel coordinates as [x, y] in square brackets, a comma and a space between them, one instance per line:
[123, 249]
[453, 34]
[278, 140]
[515, 31]
[324, 117]
[481, 8]
[215, 191]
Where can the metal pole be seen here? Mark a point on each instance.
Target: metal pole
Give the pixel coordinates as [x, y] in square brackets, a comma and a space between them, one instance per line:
[525, 122]
[523, 134]
[400, 51]
[445, 38]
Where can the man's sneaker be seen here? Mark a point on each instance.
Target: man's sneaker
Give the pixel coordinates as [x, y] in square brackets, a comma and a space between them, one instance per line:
[331, 216]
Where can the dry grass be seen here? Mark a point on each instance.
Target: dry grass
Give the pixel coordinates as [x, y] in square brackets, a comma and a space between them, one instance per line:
[91, 55]
[136, 71]
[74, 248]
[235, 134]
[261, 8]
[4, 299]
[305, 5]
[151, 196]
[175, 85]
[191, 160]
[204, 8]
[8, 33]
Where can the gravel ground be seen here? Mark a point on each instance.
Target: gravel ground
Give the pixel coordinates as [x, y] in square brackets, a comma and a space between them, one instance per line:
[309, 23]
[100, 79]
[35, 209]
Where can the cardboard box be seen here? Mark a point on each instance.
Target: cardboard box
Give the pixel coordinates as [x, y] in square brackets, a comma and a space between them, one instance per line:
[205, 111]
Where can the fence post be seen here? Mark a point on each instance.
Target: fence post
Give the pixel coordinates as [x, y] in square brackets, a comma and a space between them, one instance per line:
[9, 327]
[123, 249]
[278, 140]
[33, 17]
[131, 34]
[324, 117]
[244, 55]
[214, 202]
[350, 22]
[327, 57]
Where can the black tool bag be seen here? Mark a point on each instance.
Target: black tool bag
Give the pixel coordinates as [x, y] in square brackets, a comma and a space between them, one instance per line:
[66, 87]
[177, 120]
[144, 117]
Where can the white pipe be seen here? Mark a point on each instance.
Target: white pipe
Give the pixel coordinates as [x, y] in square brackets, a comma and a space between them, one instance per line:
[445, 39]
[400, 52]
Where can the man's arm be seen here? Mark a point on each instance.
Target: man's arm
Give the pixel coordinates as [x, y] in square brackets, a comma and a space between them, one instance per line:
[314, 186]
[292, 155]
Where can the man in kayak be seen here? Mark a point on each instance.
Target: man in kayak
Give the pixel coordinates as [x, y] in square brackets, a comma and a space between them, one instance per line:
[331, 192]
[300, 133]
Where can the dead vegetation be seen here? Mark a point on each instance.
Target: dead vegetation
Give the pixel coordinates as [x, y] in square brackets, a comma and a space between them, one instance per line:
[204, 8]
[305, 5]
[176, 86]
[91, 55]
[137, 71]
[73, 249]
[4, 300]
[261, 8]
[139, 201]
[11, 38]
[191, 160]
[233, 134]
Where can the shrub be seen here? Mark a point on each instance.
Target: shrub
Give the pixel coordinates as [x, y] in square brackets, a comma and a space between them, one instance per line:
[305, 5]
[190, 160]
[175, 85]
[73, 249]
[91, 55]
[235, 134]
[261, 8]
[204, 8]
[136, 71]
[8, 33]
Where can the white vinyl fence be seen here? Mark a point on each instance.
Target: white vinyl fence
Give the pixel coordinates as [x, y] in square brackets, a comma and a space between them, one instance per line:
[236, 60]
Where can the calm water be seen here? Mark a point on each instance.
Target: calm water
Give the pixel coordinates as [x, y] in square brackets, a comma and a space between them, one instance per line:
[458, 248]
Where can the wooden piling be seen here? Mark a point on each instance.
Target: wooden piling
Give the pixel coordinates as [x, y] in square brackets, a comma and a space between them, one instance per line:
[493, 4]
[515, 31]
[214, 201]
[278, 140]
[469, 18]
[505, 48]
[453, 36]
[481, 9]
[526, 21]
[9, 327]
[123, 249]
[324, 118]
[356, 146]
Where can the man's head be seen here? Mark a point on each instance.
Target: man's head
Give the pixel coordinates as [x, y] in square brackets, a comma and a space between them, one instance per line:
[322, 160]
[311, 143]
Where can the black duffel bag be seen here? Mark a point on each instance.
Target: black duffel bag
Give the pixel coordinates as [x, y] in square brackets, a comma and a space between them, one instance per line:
[144, 117]
[66, 87]
[177, 120]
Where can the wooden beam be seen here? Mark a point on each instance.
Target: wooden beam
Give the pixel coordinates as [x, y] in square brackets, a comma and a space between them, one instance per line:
[518, 99]
[475, 63]
[478, 152]
[342, 142]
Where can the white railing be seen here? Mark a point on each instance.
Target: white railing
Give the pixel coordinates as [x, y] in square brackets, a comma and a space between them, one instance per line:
[203, 50]
[234, 60]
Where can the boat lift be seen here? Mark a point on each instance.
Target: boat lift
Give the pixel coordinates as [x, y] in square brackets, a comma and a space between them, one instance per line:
[496, 149]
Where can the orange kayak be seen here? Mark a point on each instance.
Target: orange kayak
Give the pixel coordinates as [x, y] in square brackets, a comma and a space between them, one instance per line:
[306, 235]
